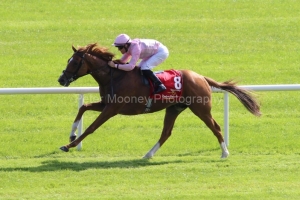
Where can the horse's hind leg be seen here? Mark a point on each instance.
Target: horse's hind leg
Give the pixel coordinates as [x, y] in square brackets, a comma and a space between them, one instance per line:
[98, 106]
[171, 114]
[203, 112]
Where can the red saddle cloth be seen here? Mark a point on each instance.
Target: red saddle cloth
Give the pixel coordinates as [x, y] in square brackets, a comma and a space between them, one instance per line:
[172, 79]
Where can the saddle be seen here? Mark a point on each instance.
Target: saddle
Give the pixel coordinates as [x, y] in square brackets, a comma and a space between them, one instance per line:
[172, 79]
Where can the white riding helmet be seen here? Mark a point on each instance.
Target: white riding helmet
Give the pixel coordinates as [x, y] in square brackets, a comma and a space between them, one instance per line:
[121, 40]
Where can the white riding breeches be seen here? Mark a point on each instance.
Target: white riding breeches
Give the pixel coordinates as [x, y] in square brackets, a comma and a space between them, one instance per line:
[152, 61]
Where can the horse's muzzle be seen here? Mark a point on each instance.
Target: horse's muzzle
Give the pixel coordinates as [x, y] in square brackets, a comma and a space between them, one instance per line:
[63, 81]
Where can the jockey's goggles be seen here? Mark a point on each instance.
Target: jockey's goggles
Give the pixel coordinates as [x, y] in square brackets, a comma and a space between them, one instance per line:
[120, 47]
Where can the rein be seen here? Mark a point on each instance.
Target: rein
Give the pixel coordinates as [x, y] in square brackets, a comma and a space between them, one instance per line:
[111, 82]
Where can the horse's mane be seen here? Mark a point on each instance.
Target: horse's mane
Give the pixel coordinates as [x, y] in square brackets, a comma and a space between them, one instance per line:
[98, 51]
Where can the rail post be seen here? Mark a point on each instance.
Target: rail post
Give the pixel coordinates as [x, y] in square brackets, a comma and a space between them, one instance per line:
[80, 125]
[226, 118]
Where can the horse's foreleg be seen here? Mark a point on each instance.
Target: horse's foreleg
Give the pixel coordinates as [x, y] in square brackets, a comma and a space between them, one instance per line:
[108, 112]
[73, 130]
[171, 114]
[98, 106]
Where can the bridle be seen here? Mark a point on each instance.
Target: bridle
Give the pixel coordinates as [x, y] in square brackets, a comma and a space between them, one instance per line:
[74, 76]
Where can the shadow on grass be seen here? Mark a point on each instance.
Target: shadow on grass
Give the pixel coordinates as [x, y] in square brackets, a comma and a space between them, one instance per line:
[211, 151]
[56, 165]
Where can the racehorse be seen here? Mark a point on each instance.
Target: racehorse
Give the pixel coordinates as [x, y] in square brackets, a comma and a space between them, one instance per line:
[115, 85]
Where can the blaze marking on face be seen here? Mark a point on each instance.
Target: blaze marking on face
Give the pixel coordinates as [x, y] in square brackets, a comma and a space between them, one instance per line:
[70, 59]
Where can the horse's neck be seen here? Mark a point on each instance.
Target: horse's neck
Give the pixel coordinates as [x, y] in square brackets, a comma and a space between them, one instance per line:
[115, 76]
[102, 78]
[120, 75]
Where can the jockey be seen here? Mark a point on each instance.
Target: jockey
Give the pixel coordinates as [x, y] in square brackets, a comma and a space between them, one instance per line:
[151, 52]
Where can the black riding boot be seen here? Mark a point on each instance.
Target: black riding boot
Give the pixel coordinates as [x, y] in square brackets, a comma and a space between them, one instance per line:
[158, 86]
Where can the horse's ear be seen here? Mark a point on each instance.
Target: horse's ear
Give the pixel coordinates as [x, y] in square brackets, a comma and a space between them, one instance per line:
[74, 49]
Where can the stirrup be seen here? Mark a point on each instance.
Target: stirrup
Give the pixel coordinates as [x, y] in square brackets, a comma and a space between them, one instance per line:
[160, 88]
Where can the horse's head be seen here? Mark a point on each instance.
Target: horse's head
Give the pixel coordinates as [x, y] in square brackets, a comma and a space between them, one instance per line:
[75, 68]
[84, 61]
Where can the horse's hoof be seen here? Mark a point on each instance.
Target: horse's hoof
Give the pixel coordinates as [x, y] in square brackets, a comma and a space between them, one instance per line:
[72, 138]
[147, 156]
[64, 148]
[225, 154]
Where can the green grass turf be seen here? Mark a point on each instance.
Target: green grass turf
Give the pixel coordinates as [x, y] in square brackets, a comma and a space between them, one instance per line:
[255, 42]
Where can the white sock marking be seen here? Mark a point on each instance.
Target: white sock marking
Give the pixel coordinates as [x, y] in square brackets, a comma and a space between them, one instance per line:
[225, 151]
[152, 151]
[74, 128]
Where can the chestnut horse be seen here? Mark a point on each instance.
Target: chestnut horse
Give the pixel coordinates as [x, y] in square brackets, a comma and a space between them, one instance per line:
[92, 59]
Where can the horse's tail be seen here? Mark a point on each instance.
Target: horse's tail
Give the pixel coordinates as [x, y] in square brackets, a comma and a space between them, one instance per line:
[244, 96]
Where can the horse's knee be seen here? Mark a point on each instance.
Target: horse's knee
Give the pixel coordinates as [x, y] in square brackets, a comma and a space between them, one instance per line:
[83, 108]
